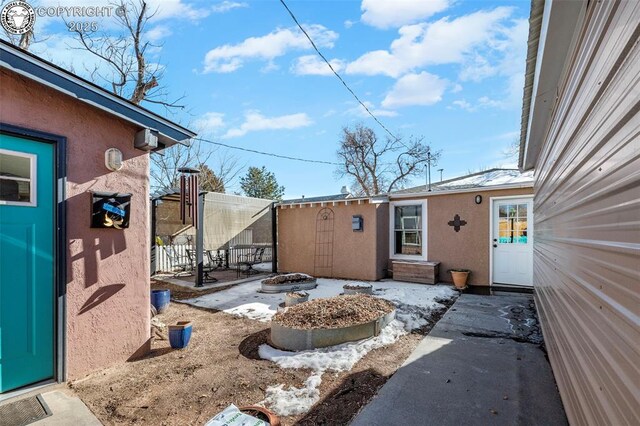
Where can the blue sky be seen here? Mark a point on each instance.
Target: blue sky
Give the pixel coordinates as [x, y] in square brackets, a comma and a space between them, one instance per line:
[450, 71]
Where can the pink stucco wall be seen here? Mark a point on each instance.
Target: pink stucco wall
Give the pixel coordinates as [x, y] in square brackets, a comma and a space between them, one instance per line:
[107, 270]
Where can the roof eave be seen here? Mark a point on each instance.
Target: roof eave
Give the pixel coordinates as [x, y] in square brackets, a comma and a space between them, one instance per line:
[463, 190]
[44, 72]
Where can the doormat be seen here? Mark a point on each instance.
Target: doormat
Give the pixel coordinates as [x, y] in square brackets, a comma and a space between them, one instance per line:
[24, 412]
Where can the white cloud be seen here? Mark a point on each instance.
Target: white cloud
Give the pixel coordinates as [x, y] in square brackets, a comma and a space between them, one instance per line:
[415, 89]
[254, 121]
[348, 23]
[209, 121]
[444, 41]
[359, 111]
[157, 33]
[230, 57]
[226, 6]
[314, 65]
[168, 9]
[463, 104]
[456, 88]
[394, 13]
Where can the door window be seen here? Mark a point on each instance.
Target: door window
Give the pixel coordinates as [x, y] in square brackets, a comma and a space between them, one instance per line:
[512, 225]
[17, 178]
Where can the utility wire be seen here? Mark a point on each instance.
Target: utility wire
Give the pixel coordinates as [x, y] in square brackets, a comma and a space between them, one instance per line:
[270, 154]
[338, 75]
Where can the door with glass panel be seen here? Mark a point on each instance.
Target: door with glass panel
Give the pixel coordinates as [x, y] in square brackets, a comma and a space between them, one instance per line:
[512, 241]
[27, 219]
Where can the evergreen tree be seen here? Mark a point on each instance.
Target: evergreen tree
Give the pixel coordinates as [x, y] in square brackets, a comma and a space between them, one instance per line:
[260, 183]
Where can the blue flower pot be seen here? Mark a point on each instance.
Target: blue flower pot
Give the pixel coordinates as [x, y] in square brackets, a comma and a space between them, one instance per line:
[160, 299]
[180, 334]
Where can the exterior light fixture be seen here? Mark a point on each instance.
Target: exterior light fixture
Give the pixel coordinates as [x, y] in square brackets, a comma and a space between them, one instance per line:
[113, 159]
[478, 199]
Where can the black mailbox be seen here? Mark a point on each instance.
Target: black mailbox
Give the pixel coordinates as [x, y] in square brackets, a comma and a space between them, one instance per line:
[110, 210]
[357, 223]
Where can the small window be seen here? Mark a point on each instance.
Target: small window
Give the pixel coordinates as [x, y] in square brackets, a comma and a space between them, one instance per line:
[408, 229]
[512, 225]
[17, 178]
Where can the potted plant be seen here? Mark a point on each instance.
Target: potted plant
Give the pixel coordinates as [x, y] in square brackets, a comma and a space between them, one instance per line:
[460, 277]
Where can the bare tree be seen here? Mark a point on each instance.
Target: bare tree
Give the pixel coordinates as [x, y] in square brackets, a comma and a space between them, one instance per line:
[130, 74]
[216, 178]
[380, 166]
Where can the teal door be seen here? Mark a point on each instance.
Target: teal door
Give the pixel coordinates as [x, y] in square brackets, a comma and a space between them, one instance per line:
[27, 287]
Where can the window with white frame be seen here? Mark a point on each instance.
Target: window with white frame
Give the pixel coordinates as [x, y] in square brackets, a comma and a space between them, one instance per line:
[17, 178]
[407, 229]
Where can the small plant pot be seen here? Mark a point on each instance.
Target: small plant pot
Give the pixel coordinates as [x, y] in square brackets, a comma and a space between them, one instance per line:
[460, 279]
[180, 334]
[261, 413]
[160, 299]
[295, 297]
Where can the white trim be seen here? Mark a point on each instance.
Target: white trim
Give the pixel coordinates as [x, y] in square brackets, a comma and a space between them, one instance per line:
[33, 179]
[491, 201]
[461, 191]
[392, 255]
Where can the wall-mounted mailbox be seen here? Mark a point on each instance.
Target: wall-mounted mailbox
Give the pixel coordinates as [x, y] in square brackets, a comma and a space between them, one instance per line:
[110, 210]
[357, 223]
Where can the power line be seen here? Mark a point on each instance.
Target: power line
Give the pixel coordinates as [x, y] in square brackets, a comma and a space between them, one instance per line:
[270, 154]
[336, 73]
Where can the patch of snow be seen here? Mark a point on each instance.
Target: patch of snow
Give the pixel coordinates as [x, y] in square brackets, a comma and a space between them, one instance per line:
[292, 401]
[255, 311]
[414, 302]
[263, 267]
[336, 358]
[415, 305]
[490, 178]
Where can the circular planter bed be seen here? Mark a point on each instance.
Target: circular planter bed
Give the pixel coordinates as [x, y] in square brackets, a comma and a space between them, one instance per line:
[327, 322]
[288, 282]
[295, 297]
[357, 288]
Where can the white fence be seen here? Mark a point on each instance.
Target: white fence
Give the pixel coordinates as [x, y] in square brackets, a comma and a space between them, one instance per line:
[163, 263]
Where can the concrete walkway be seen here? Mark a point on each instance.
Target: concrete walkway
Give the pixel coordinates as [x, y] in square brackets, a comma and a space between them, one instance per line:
[481, 364]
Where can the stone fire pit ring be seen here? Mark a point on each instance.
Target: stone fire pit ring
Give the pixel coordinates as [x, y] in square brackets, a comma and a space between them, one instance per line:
[294, 339]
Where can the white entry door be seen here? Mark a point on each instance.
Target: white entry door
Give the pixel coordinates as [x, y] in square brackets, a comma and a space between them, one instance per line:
[512, 241]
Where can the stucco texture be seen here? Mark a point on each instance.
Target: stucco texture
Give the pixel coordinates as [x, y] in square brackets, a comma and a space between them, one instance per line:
[107, 274]
[354, 255]
[468, 248]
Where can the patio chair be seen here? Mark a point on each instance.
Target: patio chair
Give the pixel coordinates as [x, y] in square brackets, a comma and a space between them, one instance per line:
[251, 259]
[177, 261]
[206, 268]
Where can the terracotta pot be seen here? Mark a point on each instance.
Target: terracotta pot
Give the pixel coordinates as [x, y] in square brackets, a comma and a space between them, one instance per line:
[262, 414]
[460, 279]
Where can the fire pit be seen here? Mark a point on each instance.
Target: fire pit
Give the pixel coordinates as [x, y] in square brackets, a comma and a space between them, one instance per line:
[327, 322]
[288, 282]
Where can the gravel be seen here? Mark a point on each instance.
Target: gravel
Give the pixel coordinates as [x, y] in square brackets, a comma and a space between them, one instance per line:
[334, 312]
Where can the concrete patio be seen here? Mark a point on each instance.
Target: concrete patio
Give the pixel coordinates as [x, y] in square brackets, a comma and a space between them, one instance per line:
[482, 363]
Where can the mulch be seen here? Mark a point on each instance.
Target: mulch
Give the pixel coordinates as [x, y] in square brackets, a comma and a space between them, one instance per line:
[334, 312]
[288, 279]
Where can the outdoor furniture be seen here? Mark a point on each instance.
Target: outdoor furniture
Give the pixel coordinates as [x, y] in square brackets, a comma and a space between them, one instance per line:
[250, 259]
[217, 260]
[206, 268]
[177, 261]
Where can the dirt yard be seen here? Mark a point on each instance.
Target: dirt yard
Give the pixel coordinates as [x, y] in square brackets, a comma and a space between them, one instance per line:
[221, 366]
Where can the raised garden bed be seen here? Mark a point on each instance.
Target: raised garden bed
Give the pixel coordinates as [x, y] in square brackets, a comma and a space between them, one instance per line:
[357, 289]
[288, 282]
[328, 322]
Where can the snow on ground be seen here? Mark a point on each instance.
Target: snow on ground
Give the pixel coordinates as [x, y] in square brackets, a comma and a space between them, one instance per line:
[415, 304]
[342, 357]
